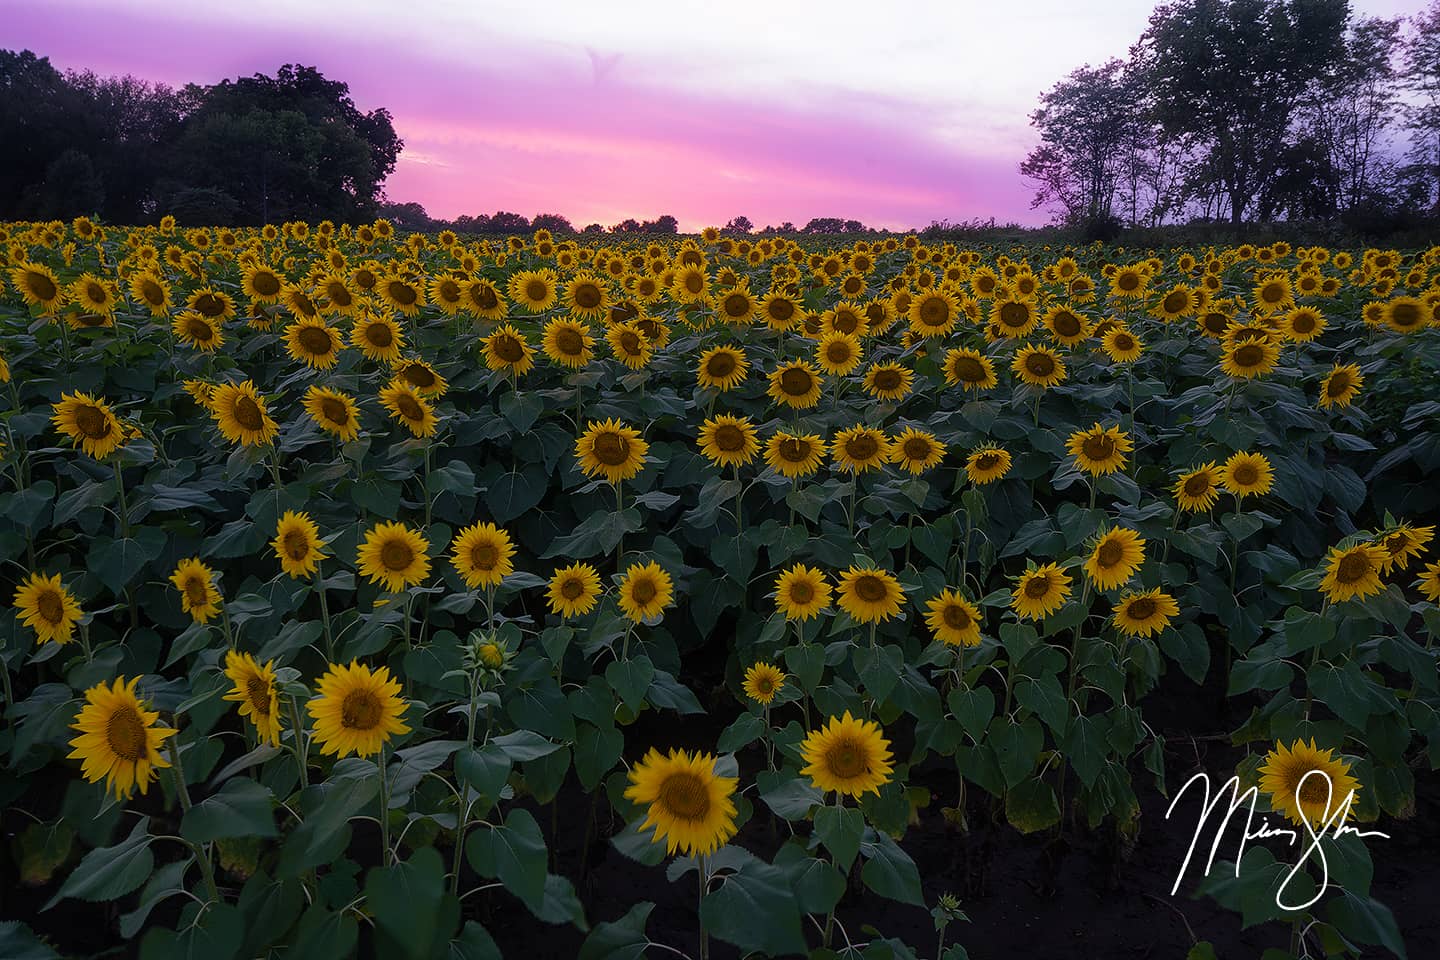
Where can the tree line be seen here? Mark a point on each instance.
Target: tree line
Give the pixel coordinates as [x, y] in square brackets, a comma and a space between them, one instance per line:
[1248, 111]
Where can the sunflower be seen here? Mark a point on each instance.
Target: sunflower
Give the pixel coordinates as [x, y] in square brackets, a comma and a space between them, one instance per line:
[482, 555]
[737, 306]
[1405, 315]
[1040, 591]
[587, 297]
[781, 312]
[889, 381]
[1198, 489]
[401, 294]
[847, 755]
[314, 343]
[1341, 385]
[261, 283]
[37, 285]
[1354, 573]
[916, 450]
[987, 464]
[573, 590]
[728, 441]
[119, 741]
[297, 544]
[534, 290]
[687, 803]
[568, 343]
[1038, 366]
[1244, 474]
[333, 411]
[1303, 324]
[209, 302]
[869, 594]
[1117, 554]
[88, 421]
[240, 414]
[1306, 784]
[421, 377]
[1177, 302]
[1145, 613]
[256, 692]
[357, 711]
[610, 449]
[934, 313]
[763, 681]
[970, 369]
[1015, 316]
[196, 331]
[506, 349]
[794, 454]
[394, 556]
[45, 604]
[1121, 345]
[152, 291]
[1402, 544]
[481, 299]
[1099, 450]
[860, 448]
[953, 620]
[447, 294]
[1273, 294]
[1128, 283]
[796, 384]
[1429, 582]
[408, 407]
[196, 583]
[645, 591]
[838, 353]
[629, 345]
[722, 368]
[801, 592]
[1247, 359]
[93, 295]
[378, 338]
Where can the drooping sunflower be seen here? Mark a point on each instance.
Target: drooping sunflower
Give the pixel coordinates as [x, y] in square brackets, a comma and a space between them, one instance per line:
[1145, 613]
[88, 421]
[610, 449]
[357, 710]
[869, 594]
[987, 464]
[934, 313]
[1353, 573]
[534, 290]
[889, 381]
[1306, 784]
[645, 591]
[794, 454]
[38, 285]
[378, 338]
[1121, 345]
[394, 556]
[969, 369]
[722, 368]
[297, 544]
[482, 554]
[1248, 359]
[196, 331]
[1040, 591]
[1038, 366]
[256, 691]
[1341, 385]
[1198, 490]
[796, 384]
[481, 299]
[1429, 582]
[421, 377]
[1246, 474]
[196, 583]
[239, 412]
[687, 803]
[847, 755]
[43, 602]
[119, 740]
[573, 590]
[860, 448]
[335, 412]
[507, 349]
[916, 450]
[953, 620]
[728, 441]
[568, 343]
[406, 406]
[1403, 543]
[1117, 554]
[801, 592]
[1099, 450]
[763, 681]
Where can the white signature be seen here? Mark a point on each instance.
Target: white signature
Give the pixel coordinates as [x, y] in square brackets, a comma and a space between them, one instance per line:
[1332, 821]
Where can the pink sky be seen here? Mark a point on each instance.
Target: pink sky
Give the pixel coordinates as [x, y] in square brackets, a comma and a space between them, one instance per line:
[603, 111]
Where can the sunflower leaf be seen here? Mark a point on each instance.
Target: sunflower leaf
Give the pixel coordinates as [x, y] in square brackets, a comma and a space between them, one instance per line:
[109, 873]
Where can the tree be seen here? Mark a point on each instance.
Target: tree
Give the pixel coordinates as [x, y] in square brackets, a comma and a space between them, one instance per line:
[1422, 78]
[740, 224]
[661, 224]
[593, 228]
[1227, 76]
[41, 117]
[505, 222]
[552, 222]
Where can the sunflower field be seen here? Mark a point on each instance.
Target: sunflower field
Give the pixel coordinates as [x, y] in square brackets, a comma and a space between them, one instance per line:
[429, 596]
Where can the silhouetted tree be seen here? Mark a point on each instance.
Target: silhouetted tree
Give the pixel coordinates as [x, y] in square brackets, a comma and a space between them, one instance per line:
[739, 224]
[552, 222]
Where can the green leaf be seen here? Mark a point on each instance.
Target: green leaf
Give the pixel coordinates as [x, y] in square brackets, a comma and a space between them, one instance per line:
[1016, 745]
[631, 679]
[597, 534]
[325, 828]
[474, 943]
[790, 796]
[973, 708]
[523, 745]
[514, 853]
[1085, 748]
[217, 935]
[890, 872]
[111, 872]
[597, 750]
[409, 903]
[242, 808]
[624, 939]
[807, 663]
[118, 562]
[514, 494]
[18, 942]
[1031, 806]
[755, 909]
[840, 829]
[747, 728]
[1044, 698]
[1365, 920]
[324, 935]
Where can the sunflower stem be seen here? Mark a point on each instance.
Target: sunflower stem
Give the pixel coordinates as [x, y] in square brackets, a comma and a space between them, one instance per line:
[428, 498]
[297, 745]
[124, 504]
[461, 821]
[704, 870]
[319, 586]
[202, 856]
[620, 544]
[384, 810]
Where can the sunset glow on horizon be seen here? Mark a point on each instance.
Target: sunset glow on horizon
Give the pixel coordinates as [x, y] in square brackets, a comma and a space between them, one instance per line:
[777, 112]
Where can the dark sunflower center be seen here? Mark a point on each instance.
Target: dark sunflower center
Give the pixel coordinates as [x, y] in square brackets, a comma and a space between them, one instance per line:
[969, 370]
[199, 330]
[508, 348]
[360, 710]
[316, 340]
[402, 293]
[729, 437]
[379, 335]
[887, 380]
[572, 589]
[1354, 567]
[265, 283]
[846, 759]
[736, 305]
[1272, 293]
[781, 310]
[1197, 486]
[1313, 790]
[484, 556]
[720, 365]
[1037, 586]
[1142, 608]
[396, 555]
[643, 590]
[956, 617]
[801, 592]
[1302, 323]
[1111, 552]
[1098, 448]
[51, 606]
[934, 312]
[630, 343]
[796, 382]
[694, 283]
[257, 691]
[1216, 322]
[1339, 383]
[1039, 364]
[92, 422]
[569, 342]
[611, 449]
[484, 296]
[1124, 342]
[861, 448]
[846, 322]
[247, 414]
[587, 296]
[1015, 315]
[125, 732]
[1176, 302]
[870, 588]
[685, 796]
[987, 461]
[1405, 315]
[152, 293]
[196, 592]
[838, 353]
[917, 448]
[96, 294]
[210, 305]
[795, 450]
[449, 291]
[296, 544]
[1249, 355]
[1245, 474]
[419, 376]
[335, 411]
[1128, 281]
